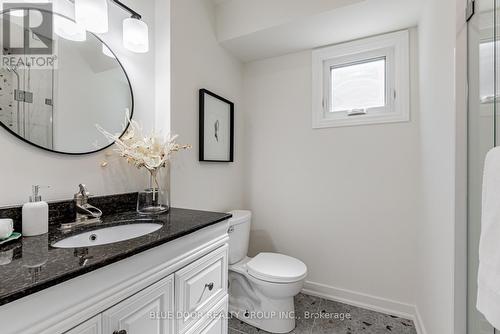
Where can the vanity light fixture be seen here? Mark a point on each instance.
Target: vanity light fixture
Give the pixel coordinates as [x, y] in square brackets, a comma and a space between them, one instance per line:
[22, 12]
[15, 12]
[135, 35]
[69, 30]
[135, 31]
[92, 15]
[64, 26]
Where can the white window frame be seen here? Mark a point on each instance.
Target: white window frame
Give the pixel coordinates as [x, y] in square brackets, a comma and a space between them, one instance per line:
[394, 47]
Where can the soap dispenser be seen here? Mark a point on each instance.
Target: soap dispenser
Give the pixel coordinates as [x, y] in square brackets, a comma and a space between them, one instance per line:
[35, 215]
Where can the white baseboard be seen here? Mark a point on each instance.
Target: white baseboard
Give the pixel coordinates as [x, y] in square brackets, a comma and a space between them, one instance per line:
[369, 302]
[419, 324]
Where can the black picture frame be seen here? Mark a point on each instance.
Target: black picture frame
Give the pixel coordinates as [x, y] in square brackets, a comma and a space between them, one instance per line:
[203, 113]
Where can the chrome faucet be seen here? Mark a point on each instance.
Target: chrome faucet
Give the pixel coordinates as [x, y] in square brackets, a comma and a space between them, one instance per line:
[84, 210]
[85, 213]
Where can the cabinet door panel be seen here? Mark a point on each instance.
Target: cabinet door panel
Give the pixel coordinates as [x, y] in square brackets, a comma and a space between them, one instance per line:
[147, 312]
[91, 326]
[199, 286]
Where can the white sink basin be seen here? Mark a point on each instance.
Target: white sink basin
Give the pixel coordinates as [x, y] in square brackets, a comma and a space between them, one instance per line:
[107, 235]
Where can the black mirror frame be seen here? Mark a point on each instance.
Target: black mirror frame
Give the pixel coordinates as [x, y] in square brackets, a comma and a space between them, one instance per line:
[131, 100]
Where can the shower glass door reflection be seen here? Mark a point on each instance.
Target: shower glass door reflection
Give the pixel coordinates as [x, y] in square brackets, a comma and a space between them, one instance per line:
[483, 134]
[26, 94]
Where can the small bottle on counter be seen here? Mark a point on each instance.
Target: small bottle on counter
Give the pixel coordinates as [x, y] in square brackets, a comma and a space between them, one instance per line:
[35, 215]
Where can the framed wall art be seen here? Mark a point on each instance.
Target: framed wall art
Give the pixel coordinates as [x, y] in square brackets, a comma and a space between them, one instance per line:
[216, 128]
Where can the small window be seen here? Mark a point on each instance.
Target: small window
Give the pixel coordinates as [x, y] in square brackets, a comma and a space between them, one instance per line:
[358, 86]
[362, 82]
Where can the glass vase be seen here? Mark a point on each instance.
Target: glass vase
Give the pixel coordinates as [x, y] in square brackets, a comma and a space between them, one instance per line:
[155, 199]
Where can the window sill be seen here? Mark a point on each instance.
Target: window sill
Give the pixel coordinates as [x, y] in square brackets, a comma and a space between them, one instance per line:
[324, 122]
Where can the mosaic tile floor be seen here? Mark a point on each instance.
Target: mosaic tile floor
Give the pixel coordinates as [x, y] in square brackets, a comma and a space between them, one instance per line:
[361, 321]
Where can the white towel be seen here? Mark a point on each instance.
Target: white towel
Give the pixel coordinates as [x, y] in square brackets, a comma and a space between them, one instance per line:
[488, 297]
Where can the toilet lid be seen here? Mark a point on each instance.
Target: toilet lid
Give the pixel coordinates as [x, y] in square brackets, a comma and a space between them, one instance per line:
[277, 268]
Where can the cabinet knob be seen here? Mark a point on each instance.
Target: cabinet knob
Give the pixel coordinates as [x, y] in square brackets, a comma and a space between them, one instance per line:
[210, 287]
[120, 332]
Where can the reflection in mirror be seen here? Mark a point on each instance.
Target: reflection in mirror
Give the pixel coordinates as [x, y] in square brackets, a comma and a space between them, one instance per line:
[55, 100]
[482, 113]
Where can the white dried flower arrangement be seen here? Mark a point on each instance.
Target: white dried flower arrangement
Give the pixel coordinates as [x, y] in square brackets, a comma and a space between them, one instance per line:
[144, 151]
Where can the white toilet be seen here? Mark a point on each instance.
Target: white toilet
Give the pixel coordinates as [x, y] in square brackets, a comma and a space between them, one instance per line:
[261, 289]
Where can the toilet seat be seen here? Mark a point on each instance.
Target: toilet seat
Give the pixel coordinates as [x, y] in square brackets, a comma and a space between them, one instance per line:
[276, 268]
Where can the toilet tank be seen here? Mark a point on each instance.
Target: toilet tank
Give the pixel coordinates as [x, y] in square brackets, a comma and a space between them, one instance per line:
[239, 235]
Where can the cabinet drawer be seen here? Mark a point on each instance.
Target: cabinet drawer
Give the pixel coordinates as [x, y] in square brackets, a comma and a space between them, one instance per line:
[199, 286]
[214, 322]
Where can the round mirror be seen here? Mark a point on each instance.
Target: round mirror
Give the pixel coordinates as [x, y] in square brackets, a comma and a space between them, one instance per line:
[59, 82]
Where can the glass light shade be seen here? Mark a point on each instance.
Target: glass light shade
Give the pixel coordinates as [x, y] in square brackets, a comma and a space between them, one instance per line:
[65, 27]
[92, 15]
[15, 12]
[135, 35]
[20, 12]
[107, 51]
[68, 29]
[64, 7]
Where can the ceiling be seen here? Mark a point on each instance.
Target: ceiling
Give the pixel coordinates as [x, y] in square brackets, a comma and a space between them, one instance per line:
[257, 29]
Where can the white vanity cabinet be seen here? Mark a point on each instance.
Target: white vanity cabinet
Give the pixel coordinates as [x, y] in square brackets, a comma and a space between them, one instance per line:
[192, 300]
[186, 276]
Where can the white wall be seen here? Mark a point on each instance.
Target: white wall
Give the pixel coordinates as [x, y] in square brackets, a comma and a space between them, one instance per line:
[162, 50]
[23, 165]
[343, 200]
[198, 61]
[437, 123]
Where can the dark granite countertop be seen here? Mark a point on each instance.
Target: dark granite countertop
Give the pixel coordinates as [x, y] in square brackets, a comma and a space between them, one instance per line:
[31, 264]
